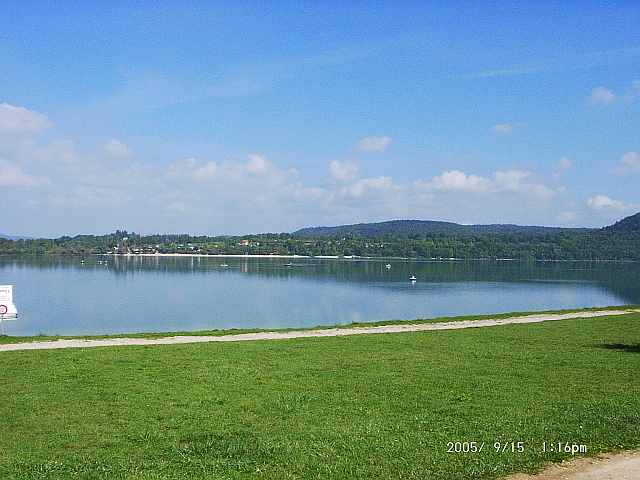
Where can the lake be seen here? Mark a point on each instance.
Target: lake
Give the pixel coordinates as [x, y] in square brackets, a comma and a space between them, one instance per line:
[103, 295]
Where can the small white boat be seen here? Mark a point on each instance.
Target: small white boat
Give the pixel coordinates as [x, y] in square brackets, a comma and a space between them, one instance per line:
[412, 278]
[388, 266]
[288, 264]
[224, 265]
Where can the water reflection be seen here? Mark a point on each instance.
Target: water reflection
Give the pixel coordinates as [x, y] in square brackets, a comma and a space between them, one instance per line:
[113, 294]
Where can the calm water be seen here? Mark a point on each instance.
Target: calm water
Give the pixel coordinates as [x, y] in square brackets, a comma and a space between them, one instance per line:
[63, 296]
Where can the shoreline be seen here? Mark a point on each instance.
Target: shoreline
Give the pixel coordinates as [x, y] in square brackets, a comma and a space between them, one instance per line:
[312, 257]
[322, 326]
[339, 257]
[236, 335]
[199, 255]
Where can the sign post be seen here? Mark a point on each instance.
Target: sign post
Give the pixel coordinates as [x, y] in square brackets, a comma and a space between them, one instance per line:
[8, 310]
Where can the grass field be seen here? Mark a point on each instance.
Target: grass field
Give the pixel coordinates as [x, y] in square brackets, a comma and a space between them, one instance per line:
[371, 406]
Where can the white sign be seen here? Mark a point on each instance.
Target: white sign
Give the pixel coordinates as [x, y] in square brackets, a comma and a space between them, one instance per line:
[7, 308]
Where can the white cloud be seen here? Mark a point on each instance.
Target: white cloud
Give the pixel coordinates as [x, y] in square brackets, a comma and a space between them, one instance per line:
[182, 168]
[58, 152]
[367, 186]
[301, 193]
[343, 171]
[502, 128]
[13, 176]
[541, 191]
[501, 181]
[257, 164]
[589, 59]
[18, 120]
[374, 144]
[250, 194]
[254, 177]
[561, 167]
[457, 181]
[629, 163]
[193, 170]
[115, 148]
[602, 202]
[256, 171]
[206, 172]
[506, 72]
[602, 96]
[511, 180]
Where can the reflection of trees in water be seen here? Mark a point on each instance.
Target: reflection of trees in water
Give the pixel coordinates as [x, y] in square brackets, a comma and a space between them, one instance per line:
[622, 279]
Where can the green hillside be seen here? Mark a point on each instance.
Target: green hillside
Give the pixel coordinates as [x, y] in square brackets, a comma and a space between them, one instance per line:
[426, 227]
[629, 225]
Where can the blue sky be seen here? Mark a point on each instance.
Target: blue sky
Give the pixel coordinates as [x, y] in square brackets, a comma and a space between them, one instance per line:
[238, 117]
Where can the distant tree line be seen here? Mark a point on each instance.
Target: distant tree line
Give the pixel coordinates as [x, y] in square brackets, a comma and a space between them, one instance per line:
[605, 244]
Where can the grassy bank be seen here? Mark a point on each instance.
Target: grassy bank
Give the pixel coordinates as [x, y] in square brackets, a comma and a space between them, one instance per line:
[234, 331]
[379, 406]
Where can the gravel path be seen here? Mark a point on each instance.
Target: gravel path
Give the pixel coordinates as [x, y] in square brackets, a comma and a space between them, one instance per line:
[329, 332]
[621, 466]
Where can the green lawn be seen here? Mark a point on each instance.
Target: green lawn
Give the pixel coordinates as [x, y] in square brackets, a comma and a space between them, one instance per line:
[371, 406]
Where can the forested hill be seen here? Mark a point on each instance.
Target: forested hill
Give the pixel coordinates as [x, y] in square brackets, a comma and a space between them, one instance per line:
[398, 238]
[426, 227]
[626, 225]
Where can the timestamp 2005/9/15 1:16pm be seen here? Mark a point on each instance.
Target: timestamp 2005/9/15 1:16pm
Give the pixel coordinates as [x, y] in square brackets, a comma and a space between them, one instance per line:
[516, 447]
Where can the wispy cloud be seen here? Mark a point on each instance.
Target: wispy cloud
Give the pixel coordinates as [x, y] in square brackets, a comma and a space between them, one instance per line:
[151, 90]
[629, 163]
[578, 61]
[117, 149]
[604, 203]
[506, 72]
[502, 128]
[343, 171]
[19, 120]
[602, 96]
[374, 144]
[12, 175]
[561, 167]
